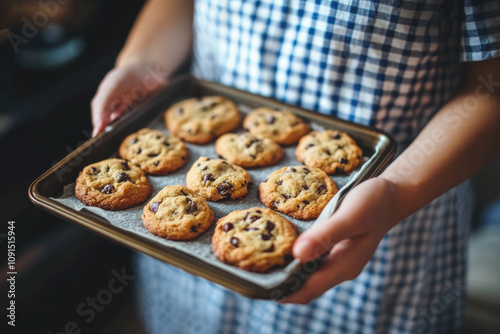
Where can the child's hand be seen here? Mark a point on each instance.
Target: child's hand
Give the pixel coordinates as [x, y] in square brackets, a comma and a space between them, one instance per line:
[121, 90]
[354, 232]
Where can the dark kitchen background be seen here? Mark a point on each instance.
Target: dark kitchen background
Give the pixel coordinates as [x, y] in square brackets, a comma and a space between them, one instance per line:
[48, 77]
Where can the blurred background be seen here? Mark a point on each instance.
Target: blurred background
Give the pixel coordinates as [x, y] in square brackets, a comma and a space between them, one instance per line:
[50, 67]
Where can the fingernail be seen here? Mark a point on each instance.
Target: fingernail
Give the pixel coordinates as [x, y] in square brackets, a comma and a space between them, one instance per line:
[302, 249]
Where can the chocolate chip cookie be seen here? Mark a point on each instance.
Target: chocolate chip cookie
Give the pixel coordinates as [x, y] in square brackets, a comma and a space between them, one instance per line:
[254, 239]
[215, 179]
[300, 192]
[202, 120]
[177, 213]
[154, 152]
[247, 150]
[283, 127]
[331, 150]
[112, 184]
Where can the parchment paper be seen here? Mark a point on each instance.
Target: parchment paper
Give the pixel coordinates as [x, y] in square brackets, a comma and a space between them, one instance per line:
[130, 219]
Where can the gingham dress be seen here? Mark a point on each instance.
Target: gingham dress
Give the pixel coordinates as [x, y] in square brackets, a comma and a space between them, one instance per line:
[390, 64]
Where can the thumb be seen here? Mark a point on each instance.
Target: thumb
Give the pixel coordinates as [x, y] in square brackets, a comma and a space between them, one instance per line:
[321, 237]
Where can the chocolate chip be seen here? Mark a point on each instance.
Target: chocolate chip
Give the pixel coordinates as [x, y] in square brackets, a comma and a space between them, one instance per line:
[285, 196]
[180, 111]
[270, 119]
[183, 158]
[208, 177]
[309, 146]
[339, 169]
[253, 156]
[107, 169]
[279, 183]
[158, 137]
[125, 165]
[194, 228]
[327, 151]
[258, 211]
[139, 151]
[265, 236]
[248, 228]
[339, 147]
[254, 218]
[234, 241]
[253, 141]
[193, 207]
[307, 171]
[154, 206]
[270, 249]
[305, 187]
[269, 226]
[293, 170]
[305, 202]
[343, 160]
[205, 168]
[94, 171]
[227, 227]
[166, 143]
[198, 164]
[182, 192]
[133, 140]
[321, 188]
[122, 177]
[156, 163]
[107, 189]
[224, 188]
[274, 205]
[337, 136]
[153, 155]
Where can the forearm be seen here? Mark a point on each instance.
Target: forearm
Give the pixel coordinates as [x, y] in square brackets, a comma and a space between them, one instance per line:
[162, 35]
[461, 138]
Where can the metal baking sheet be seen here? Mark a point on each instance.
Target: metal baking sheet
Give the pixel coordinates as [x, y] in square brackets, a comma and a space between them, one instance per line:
[54, 191]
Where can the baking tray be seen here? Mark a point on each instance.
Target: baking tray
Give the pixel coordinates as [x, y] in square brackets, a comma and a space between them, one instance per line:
[378, 148]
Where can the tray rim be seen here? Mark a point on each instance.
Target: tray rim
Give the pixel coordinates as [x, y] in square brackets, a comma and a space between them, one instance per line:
[184, 261]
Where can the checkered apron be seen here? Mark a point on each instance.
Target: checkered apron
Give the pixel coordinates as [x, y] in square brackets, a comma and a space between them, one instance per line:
[390, 64]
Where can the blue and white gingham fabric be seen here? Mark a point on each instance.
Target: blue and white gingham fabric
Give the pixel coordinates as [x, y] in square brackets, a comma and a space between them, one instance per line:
[385, 63]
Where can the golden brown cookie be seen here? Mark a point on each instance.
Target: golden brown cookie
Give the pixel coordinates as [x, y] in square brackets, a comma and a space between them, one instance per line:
[177, 213]
[247, 150]
[216, 179]
[254, 239]
[299, 191]
[283, 127]
[331, 150]
[154, 152]
[202, 120]
[112, 184]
